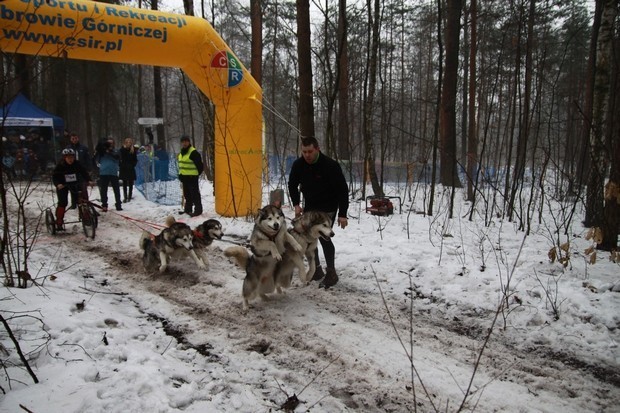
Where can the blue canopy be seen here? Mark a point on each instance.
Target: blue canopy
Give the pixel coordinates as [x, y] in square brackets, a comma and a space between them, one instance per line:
[22, 112]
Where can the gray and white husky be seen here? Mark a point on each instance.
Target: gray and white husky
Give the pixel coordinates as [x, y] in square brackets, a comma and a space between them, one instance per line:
[268, 242]
[203, 236]
[306, 229]
[158, 249]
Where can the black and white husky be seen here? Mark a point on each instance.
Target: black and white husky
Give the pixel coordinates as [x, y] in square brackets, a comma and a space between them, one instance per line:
[174, 240]
[203, 236]
[269, 240]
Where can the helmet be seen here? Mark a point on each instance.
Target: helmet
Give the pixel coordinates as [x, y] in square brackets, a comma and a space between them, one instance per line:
[68, 151]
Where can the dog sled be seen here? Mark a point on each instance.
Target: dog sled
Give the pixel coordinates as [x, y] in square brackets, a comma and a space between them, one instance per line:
[87, 216]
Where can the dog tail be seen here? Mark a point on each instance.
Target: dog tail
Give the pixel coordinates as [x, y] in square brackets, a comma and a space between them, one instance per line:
[170, 220]
[241, 255]
[145, 240]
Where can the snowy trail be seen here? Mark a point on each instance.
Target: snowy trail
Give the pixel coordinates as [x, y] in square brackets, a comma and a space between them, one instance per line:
[318, 344]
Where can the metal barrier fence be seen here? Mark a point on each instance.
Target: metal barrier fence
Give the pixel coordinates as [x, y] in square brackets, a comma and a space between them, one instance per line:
[157, 178]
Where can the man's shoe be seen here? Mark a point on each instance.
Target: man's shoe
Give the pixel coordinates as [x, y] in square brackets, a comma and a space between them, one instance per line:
[331, 279]
[119, 208]
[195, 214]
[318, 274]
[104, 209]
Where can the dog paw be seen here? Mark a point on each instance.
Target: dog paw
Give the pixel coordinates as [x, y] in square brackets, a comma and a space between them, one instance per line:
[162, 268]
[277, 256]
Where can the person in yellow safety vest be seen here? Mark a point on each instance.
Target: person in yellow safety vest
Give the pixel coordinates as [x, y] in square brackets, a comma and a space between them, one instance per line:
[190, 168]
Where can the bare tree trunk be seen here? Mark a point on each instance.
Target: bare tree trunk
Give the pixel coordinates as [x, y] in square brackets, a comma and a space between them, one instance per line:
[472, 126]
[369, 151]
[22, 70]
[207, 113]
[524, 121]
[158, 94]
[435, 135]
[188, 7]
[304, 60]
[512, 120]
[331, 81]
[447, 114]
[343, 151]
[466, 50]
[256, 17]
[604, 145]
[87, 107]
[586, 112]
[595, 198]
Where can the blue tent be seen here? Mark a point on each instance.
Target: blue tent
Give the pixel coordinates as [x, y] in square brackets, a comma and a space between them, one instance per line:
[22, 112]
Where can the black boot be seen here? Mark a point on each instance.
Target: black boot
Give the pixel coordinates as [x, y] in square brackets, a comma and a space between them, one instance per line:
[331, 279]
[130, 193]
[318, 274]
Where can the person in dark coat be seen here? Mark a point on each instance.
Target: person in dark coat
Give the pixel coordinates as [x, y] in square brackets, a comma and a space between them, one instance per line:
[82, 154]
[324, 187]
[127, 168]
[68, 176]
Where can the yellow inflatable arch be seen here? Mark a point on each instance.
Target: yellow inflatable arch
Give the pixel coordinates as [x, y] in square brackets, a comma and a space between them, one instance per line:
[77, 29]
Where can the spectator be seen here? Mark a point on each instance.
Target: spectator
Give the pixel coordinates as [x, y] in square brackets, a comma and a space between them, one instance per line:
[108, 161]
[82, 155]
[127, 168]
[190, 168]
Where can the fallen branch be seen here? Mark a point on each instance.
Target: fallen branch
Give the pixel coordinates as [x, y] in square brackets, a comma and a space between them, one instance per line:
[19, 350]
[102, 292]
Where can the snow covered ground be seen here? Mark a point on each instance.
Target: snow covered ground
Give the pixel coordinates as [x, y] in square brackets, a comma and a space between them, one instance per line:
[406, 328]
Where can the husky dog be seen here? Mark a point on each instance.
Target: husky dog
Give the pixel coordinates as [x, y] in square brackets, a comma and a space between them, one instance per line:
[270, 234]
[174, 237]
[306, 229]
[268, 243]
[203, 236]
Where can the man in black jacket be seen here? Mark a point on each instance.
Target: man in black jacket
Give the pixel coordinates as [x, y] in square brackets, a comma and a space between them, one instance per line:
[324, 187]
[81, 151]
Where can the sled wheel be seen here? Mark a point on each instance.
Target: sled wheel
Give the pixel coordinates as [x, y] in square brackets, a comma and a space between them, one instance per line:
[50, 222]
[89, 220]
[94, 215]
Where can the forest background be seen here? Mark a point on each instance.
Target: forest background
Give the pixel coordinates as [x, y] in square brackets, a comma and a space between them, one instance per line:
[502, 97]
[510, 105]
